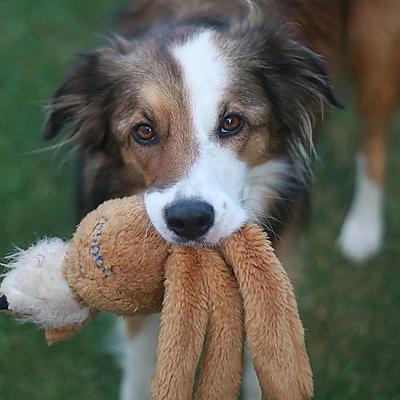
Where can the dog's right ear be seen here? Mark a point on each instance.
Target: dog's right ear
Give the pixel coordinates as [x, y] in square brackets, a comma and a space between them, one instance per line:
[74, 95]
[79, 103]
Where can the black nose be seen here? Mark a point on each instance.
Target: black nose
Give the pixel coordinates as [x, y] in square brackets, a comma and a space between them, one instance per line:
[189, 219]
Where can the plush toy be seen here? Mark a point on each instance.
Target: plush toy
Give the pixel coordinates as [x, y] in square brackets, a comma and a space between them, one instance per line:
[217, 297]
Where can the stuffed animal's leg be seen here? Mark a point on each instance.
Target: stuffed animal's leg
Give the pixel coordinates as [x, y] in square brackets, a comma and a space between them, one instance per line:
[274, 331]
[183, 325]
[223, 353]
[35, 290]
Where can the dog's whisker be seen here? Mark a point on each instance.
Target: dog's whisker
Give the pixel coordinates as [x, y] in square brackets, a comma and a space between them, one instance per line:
[248, 198]
[264, 218]
[56, 146]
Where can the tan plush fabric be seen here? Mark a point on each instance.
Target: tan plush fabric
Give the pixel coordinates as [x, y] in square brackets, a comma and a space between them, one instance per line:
[222, 362]
[130, 277]
[211, 300]
[58, 335]
[200, 294]
[273, 328]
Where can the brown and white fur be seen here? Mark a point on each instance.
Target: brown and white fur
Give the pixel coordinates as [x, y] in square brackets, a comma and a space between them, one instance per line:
[182, 68]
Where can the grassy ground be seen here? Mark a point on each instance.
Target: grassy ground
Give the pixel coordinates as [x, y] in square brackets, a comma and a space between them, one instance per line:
[351, 312]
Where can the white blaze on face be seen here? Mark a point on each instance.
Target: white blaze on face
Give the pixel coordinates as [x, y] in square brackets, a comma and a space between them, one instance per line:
[216, 176]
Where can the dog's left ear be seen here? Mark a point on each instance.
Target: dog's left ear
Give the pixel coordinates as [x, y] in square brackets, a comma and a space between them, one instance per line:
[316, 74]
[293, 77]
[284, 66]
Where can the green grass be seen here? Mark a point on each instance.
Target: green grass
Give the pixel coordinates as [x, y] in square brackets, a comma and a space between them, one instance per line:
[351, 312]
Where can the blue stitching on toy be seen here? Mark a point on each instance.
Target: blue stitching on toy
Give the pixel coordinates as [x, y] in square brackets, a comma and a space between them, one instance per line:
[96, 248]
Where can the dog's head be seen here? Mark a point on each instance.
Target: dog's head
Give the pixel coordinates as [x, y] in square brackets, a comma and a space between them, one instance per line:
[214, 120]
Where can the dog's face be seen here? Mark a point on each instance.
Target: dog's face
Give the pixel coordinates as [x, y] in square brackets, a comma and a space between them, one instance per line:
[215, 122]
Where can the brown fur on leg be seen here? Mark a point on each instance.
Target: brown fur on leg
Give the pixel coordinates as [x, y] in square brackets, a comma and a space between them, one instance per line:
[222, 364]
[274, 331]
[374, 37]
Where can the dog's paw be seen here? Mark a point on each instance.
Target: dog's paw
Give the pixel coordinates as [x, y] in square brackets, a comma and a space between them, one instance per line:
[362, 232]
[35, 290]
[361, 236]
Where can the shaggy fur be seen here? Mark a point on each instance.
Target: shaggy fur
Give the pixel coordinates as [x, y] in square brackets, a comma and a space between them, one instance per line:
[279, 83]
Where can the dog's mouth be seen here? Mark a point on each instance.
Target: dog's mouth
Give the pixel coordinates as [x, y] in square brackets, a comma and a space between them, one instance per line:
[199, 242]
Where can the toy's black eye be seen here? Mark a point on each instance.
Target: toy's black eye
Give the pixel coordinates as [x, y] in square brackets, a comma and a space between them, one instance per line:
[144, 134]
[231, 125]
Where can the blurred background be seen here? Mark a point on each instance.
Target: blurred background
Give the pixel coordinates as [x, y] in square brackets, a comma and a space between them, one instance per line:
[351, 312]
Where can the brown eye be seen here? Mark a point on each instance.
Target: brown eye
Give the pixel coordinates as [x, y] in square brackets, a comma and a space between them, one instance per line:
[231, 125]
[144, 134]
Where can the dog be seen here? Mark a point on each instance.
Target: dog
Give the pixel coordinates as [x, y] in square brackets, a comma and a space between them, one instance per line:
[211, 109]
